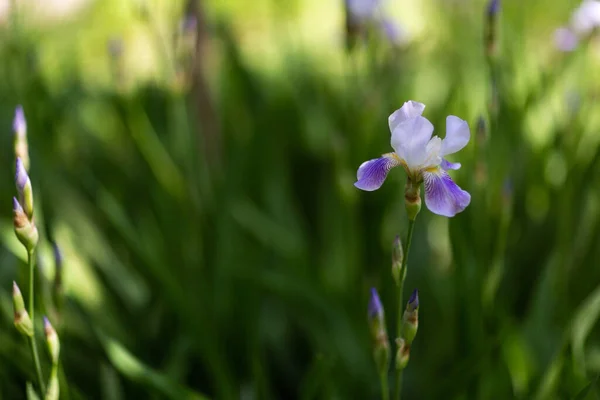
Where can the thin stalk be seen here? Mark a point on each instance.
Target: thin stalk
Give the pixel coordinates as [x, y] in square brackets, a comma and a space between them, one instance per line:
[31, 311]
[411, 227]
[385, 390]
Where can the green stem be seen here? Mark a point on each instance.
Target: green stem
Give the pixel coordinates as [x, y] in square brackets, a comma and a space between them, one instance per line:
[385, 391]
[411, 227]
[31, 311]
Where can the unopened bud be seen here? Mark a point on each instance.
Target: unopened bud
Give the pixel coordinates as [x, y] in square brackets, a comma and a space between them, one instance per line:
[397, 258]
[410, 318]
[381, 345]
[22, 321]
[52, 341]
[412, 199]
[20, 140]
[24, 189]
[402, 354]
[25, 228]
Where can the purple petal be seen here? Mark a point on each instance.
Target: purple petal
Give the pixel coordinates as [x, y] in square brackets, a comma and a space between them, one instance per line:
[375, 306]
[443, 196]
[446, 165]
[371, 174]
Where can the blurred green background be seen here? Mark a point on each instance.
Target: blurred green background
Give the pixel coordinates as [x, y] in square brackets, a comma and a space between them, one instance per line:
[198, 179]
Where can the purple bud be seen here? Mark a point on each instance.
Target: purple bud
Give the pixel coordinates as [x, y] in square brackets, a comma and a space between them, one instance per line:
[21, 177]
[47, 324]
[413, 302]
[493, 7]
[19, 123]
[375, 306]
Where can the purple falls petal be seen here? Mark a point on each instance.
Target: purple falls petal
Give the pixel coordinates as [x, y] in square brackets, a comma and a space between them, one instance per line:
[371, 174]
[446, 165]
[443, 196]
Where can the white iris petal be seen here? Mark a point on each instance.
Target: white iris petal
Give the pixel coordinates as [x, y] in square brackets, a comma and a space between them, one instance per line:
[410, 139]
[409, 109]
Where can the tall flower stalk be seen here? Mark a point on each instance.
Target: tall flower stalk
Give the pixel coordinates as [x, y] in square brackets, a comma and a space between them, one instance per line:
[381, 344]
[27, 233]
[423, 158]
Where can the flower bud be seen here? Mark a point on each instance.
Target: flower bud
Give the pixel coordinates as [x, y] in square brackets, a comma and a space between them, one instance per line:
[51, 341]
[25, 229]
[20, 141]
[410, 318]
[397, 258]
[412, 199]
[402, 354]
[22, 321]
[24, 190]
[381, 346]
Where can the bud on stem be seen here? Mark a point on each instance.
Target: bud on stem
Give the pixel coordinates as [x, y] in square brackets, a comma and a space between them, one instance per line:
[410, 318]
[381, 345]
[24, 189]
[25, 228]
[22, 320]
[408, 331]
[52, 341]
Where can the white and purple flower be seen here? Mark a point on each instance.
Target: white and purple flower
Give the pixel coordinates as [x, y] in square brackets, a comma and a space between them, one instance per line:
[422, 157]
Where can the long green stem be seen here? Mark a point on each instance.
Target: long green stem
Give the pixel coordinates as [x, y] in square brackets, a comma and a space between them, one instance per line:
[385, 390]
[411, 226]
[31, 311]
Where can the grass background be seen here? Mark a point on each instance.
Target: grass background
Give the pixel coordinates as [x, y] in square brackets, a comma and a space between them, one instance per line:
[213, 242]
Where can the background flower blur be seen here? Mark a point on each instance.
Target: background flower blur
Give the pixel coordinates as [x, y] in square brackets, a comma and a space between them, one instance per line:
[194, 163]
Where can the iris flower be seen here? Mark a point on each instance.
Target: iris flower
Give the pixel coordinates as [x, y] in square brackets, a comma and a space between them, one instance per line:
[423, 159]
